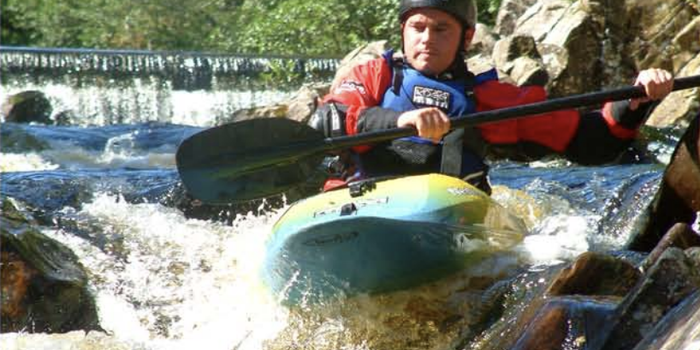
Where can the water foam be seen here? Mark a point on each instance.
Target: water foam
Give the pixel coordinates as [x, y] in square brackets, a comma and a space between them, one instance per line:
[167, 282]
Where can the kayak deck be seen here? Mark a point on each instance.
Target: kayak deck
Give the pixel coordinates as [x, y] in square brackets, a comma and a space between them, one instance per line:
[398, 234]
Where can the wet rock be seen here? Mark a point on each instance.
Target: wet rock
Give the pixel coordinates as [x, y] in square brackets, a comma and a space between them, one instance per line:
[568, 323]
[46, 193]
[178, 197]
[678, 197]
[65, 118]
[564, 307]
[671, 279]
[595, 274]
[14, 138]
[44, 286]
[581, 298]
[27, 107]
[694, 255]
[192, 208]
[680, 236]
[511, 306]
[679, 329]
[16, 275]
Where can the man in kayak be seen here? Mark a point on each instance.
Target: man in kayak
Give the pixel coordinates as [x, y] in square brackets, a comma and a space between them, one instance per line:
[430, 82]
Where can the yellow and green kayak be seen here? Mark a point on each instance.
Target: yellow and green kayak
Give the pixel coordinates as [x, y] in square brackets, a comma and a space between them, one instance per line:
[383, 235]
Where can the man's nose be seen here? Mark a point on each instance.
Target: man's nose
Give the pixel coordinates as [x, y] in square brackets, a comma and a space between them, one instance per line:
[428, 35]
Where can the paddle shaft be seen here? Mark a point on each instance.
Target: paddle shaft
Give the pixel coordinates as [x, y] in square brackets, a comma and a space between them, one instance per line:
[478, 118]
[261, 157]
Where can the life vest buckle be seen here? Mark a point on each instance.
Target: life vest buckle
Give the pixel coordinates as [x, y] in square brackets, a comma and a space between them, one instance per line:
[359, 188]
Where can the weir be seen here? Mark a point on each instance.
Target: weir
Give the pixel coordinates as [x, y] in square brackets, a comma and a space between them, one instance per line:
[184, 70]
[89, 86]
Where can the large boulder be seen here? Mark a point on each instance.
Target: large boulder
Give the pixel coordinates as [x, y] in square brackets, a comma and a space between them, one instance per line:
[27, 107]
[567, 323]
[540, 19]
[299, 107]
[679, 329]
[681, 106]
[671, 279]
[483, 42]
[44, 286]
[589, 45]
[360, 55]
[508, 15]
[518, 56]
[578, 34]
[678, 198]
[567, 40]
[653, 25]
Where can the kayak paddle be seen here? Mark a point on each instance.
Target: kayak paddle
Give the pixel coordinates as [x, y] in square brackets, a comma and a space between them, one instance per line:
[258, 158]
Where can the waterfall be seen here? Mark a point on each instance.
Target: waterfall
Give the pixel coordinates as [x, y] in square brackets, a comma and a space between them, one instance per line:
[101, 87]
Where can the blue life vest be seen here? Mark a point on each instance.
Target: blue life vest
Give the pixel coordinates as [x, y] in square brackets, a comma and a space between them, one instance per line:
[412, 90]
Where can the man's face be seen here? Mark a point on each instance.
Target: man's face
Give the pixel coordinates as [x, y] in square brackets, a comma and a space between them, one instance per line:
[431, 40]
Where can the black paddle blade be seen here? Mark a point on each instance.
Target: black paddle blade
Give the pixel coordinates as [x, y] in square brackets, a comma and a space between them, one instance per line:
[248, 160]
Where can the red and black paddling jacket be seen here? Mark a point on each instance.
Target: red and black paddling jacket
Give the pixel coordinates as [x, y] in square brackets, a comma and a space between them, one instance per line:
[373, 95]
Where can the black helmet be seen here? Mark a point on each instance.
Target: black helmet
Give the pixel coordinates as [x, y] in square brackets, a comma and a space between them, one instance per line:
[463, 10]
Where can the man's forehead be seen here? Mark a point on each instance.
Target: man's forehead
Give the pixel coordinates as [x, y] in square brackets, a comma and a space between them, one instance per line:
[427, 14]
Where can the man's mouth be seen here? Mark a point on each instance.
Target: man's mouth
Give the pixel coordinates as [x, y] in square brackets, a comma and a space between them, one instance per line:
[428, 53]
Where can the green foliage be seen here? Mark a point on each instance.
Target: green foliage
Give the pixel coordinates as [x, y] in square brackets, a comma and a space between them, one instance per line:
[281, 72]
[262, 27]
[305, 27]
[488, 9]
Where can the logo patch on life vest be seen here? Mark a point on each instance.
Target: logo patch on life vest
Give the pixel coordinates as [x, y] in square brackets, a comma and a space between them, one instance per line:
[349, 85]
[431, 97]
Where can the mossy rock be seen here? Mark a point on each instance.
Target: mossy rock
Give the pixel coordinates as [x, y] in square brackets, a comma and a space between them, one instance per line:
[44, 284]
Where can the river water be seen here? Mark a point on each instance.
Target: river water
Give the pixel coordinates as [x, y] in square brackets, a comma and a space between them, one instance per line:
[165, 281]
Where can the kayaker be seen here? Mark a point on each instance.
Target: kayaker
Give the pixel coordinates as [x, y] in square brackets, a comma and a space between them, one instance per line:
[430, 82]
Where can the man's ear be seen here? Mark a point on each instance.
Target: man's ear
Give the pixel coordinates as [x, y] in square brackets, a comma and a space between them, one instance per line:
[468, 36]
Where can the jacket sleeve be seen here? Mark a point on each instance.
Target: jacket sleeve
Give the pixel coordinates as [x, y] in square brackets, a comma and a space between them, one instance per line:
[359, 94]
[590, 138]
[604, 135]
[552, 130]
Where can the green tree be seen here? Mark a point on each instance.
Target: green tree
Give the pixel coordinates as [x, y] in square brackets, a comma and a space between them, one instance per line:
[305, 27]
[41, 22]
[14, 29]
[263, 27]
